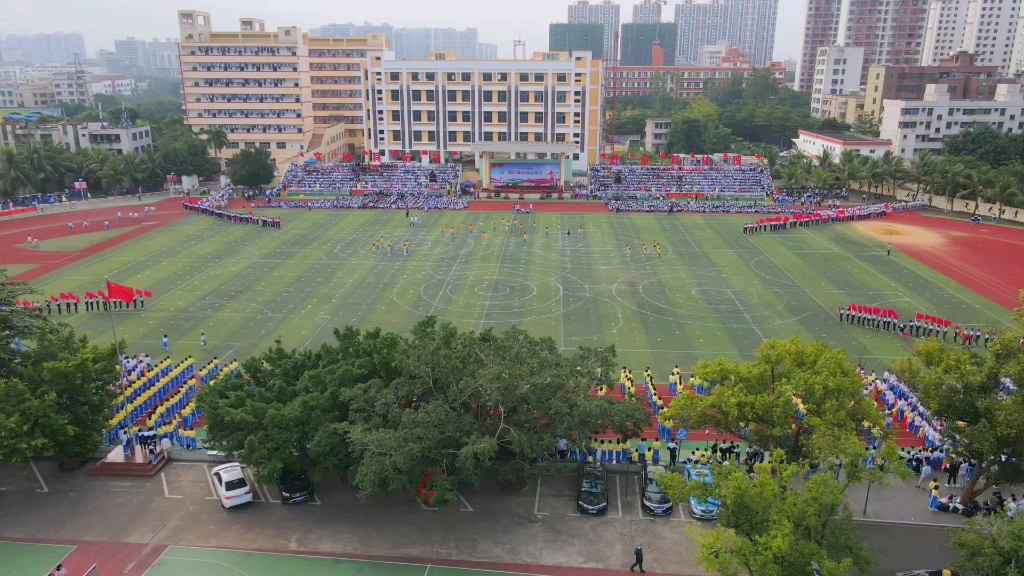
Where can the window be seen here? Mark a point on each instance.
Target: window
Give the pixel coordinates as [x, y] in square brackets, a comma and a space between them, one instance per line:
[431, 76]
[233, 145]
[250, 145]
[453, 96]
[524, 117]
[488, 96]
[561, 96]
[431, 117]
[502, 136]
[396, 135]
[488, 136]
[560, 118]
[560, 137]
[453, 136]
[524, 136]
[538, 117]
[538, 77]
[524, 96]
[394, 96]
[417, 136]
[524, 76]
[430, 95]
[467, 136]
[538, 96]
[414, 76]
[453, 116]
[416, 96]
[502, 96]
[417, 116]
[465, 96]
[561, 77]
[488, 77]
[465, 117]
[450, 76]
[467, 76]
[488, 117]
[502, 76]
[503, 117]
[396, 116]
[393, 76]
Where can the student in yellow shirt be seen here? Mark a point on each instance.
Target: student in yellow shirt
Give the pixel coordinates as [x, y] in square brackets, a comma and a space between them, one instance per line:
[462, 228]
[452, 231]
[483, 237]
[471, 228]
[656, 447]
[442, 229]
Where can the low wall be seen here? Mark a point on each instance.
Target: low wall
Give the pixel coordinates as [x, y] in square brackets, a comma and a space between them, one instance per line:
[966, 207]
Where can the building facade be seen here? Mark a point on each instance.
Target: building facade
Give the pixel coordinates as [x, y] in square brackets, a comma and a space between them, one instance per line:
[112, 85]
[890, 34]
[656, 134]
[682, 81]
[417, 43]
[837, 71]
[637, 44]
[574, 37]
[488, 51]
[814, 142]
[72, 87]
[605, 13]
[351, 30]
[54, 48]
[960, 73]
[647, 12]
[750, 25]
[846, 107]
[991, 31]
[914, 126]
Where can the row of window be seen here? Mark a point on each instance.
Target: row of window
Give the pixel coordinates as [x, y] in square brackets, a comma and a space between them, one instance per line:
[489, 117]
[561, 77]
[499, 96]
[466, 137]
[251, 145]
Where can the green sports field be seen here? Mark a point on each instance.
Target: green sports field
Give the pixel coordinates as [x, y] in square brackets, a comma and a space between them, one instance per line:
[714, 291]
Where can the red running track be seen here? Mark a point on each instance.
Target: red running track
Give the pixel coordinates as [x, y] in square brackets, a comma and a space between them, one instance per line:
[48, 226]
[988, 259]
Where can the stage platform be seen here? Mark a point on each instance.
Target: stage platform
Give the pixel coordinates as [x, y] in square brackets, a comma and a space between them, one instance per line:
[136, 465]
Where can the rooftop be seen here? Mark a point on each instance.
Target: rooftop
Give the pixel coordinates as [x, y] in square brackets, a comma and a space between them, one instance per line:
[843, 136]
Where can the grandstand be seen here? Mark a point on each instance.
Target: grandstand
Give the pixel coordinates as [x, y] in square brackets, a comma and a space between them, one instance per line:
[682, 181]
[386, 177]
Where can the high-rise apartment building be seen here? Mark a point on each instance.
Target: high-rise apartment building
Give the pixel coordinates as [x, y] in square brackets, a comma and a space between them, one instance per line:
[54, 48]
[416, 43]
[291, 93]
[647, 12]
[837, 71]
[643, 44]
[487, 51]
[605, 12]
[750, 25]
[891, 35]
[991, 30]
[351, 30]
[573, 37]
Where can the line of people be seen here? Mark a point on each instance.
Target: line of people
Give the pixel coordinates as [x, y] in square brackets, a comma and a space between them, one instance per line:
[234, 217]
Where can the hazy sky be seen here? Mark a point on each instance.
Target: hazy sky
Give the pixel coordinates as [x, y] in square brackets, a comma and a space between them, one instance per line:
[500, 22]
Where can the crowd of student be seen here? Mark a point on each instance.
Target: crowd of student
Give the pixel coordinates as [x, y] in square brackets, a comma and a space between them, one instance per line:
[234, 217]
[398, 201]
[810, 196]
[710, 180]
[389, 177]
[804, 218]
[917, 328]
[664, 205]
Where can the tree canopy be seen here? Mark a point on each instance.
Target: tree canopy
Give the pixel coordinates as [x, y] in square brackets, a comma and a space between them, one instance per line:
[252, 168]
[990, 546]
[385, 409]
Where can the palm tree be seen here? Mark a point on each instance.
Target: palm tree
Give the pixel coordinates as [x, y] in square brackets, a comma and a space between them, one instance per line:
[898, 174]
[134, 170]
[826, 158]
[217, 139]
[1006, 189]
[78, 166]
[953, 180]
[924, 171]
[153, 166]
[15, 174]
[113, 175]
[821, 178]
[42, 159]
[793, 176]
[871, 174]
[771, 156]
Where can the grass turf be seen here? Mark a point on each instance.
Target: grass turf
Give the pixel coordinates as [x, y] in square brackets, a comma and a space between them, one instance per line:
[34, 559]
[714, 292]
[78, 241]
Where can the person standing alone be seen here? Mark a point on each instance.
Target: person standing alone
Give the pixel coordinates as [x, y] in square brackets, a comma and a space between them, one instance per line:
[638, 555]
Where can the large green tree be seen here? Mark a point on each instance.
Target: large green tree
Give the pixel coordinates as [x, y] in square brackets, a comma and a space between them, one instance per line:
[385, 409]
[18, 324]
[252, 168]
[990, 546]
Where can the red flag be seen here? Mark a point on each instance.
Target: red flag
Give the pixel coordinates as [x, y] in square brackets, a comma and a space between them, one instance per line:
[72, 297]
[876, 311]
[139, 292]
[63, 296]
[120, 292]
[103, 296]
[54, 299]
[147, 294]
[90, 295]
[918, 316]
[26, 303]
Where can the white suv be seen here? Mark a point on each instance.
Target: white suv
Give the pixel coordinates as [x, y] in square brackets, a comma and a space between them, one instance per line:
[231, 485]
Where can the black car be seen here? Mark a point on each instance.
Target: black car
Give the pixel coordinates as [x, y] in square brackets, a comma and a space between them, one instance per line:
[295, 486]
[655, 500]
[928, 573]
[592, 490]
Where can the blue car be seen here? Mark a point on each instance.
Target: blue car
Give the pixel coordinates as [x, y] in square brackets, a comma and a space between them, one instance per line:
[701, 509]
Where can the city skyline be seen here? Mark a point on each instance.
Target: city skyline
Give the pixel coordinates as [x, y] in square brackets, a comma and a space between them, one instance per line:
[100, 22]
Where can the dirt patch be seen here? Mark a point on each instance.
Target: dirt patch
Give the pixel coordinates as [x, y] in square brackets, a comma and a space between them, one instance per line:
[901, 234]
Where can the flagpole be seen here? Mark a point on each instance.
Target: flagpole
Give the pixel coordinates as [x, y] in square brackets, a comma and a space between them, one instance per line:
[117, 346]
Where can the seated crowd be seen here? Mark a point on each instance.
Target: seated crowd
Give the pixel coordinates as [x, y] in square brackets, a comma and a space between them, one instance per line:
[617, 179]
[399, 201]
[386, 177]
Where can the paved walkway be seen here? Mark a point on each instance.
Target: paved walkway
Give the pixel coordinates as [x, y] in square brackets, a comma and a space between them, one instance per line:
[904, 502]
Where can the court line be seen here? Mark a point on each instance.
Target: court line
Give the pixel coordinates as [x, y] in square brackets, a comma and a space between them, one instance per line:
[469, 508]
[209, 480]
[38, 476]
[536, 500]
[444, 286]
[494, 280]
[163, 480]
[744, 310]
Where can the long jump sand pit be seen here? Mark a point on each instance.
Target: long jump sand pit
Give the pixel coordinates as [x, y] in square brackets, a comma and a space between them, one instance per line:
[902, 235]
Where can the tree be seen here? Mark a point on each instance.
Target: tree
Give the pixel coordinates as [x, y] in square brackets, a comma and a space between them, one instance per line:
[57, 398]
[18, 325]
[962, 387]
[387, 409]
[16, 175]
[758, 400]
[991, 146]
[833, 124]
[217, 139]
[775, 524]
[251, 168]
[157, 109]
[1006, 189]
[923, 172]
[990, 546]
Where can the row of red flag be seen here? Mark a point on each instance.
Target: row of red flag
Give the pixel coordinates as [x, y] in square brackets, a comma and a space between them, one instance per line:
[882, 312]
[114, 292]
[933, 319]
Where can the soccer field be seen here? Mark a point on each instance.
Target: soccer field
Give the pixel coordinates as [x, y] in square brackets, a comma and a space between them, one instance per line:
[714, 292]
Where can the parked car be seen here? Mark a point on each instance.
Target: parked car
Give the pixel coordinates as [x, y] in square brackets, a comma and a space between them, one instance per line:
[295, 486]
[654, 500]
[232, 487]
[928, 573]
[592, 490]
[701, 509]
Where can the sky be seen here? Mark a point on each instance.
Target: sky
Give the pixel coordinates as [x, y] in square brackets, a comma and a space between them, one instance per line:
[498, 22]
